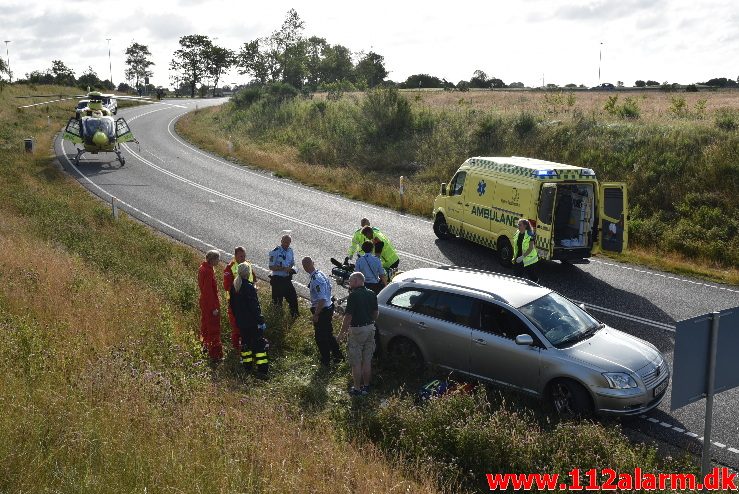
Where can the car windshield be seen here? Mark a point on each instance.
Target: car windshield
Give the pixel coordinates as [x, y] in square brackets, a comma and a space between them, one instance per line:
[560, 321]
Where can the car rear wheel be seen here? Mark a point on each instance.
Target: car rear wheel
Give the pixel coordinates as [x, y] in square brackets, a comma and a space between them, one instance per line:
[441, 229]
[505, 252]
[406, 354]
[570, 400]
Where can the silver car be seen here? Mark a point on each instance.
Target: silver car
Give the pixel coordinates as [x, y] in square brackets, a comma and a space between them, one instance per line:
[514, 333]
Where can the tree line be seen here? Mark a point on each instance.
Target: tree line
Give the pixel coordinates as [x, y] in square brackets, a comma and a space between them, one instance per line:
[286, 56]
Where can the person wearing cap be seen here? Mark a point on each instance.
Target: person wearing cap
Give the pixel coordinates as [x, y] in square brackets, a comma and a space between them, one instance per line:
[359, 322]
[358, 238]
[282, 264]
[210, 321]
[248, 313]
[371, 267]
[322, 307]
[230, 273]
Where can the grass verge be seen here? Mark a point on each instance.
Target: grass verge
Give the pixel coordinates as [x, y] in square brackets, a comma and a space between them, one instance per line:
[104, 387]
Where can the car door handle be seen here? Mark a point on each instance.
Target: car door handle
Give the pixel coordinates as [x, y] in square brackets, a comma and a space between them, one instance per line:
[421, 323]
[480, 341]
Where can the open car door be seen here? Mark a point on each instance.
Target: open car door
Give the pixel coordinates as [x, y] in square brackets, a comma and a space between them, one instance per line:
[612, 216]
[73, 131]
[123, 132]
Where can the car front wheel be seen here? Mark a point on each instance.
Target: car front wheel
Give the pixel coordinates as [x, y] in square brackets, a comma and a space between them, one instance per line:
[406, 354]
[570, 400]
[441, 228]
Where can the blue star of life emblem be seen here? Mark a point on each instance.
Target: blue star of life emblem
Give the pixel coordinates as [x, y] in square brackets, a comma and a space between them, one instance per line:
[481, 188]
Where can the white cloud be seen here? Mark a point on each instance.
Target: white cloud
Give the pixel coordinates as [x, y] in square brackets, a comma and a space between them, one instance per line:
[675, 40]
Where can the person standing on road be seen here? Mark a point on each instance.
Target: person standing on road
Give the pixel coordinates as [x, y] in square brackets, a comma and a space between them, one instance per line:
[229, 275]
[210, 321]
[322, 307]
[359, 322]
[248, 312]
[358, 238]
[371, 267]
[282, 265]
[525, 256]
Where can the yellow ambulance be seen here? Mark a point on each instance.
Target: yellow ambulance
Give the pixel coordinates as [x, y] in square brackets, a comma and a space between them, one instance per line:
[572, 213]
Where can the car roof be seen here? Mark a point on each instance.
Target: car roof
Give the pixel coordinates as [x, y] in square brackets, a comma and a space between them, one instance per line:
[509, 289]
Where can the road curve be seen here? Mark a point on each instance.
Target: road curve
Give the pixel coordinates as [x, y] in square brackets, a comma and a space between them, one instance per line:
[208, 202]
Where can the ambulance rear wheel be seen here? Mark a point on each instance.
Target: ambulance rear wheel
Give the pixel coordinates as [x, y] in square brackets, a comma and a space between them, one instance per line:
[441, 229]
[505, 252]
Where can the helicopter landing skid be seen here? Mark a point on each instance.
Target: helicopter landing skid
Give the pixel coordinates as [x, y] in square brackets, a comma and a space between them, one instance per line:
[120, 157]
[80, 152]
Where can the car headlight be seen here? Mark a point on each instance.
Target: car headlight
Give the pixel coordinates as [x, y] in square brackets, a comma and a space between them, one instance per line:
[620, 380]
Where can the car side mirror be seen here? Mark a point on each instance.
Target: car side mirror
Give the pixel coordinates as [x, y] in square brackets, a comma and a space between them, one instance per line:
[443, 188]
[524, 339]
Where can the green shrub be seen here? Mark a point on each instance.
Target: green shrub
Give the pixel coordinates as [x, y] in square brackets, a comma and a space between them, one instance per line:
[630, 109]
[678, 107]
[489, 134]
[387, 115]
[525, 124]
[727, 120]
[247, 96]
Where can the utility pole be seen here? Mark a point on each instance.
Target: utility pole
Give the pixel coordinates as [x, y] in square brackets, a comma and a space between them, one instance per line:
[7, 56]
[600, 59]
[110, 64]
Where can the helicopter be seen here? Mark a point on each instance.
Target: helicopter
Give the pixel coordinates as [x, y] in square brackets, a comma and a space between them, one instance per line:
[97, 131]
[94, 127]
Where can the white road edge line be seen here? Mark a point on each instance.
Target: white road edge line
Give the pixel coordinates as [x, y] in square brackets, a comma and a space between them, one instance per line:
[283, 181]
[692, 435]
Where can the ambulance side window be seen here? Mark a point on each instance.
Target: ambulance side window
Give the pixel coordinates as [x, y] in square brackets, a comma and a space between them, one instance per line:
[546, 204]
[455, 188]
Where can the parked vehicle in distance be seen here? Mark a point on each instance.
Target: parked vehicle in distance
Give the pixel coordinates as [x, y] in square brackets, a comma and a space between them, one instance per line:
[81, 105]
[514, 333]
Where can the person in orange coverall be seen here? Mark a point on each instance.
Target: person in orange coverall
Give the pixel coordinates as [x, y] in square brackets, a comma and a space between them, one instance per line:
[210, 305]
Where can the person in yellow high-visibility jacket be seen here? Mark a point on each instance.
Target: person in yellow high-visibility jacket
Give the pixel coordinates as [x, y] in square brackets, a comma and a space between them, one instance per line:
[388, 256]
[525, 257]
[358, 238]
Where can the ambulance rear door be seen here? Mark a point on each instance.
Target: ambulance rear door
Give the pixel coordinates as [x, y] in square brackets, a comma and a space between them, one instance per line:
[545, 220]
[613, 217]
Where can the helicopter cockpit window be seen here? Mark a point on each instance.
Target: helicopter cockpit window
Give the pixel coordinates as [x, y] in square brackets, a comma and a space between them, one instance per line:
[92, 125]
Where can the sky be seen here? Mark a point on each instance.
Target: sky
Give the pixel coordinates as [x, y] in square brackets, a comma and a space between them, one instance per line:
[529, 41]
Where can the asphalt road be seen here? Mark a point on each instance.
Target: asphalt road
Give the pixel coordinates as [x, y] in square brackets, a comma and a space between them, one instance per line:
[208, 202]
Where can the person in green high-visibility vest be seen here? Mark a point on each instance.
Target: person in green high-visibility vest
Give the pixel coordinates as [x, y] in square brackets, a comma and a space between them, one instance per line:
[525, 258]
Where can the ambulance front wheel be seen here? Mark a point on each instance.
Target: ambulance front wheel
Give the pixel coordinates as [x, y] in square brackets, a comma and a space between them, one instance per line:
[441, 229]
[505, 252]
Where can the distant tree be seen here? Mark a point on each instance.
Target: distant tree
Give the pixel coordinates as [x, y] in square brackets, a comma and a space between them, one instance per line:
[63, 75]
[39, 77]
[281, 56]
[3, 67]
[571, 85]
[496, 83]
[691, 88]
[218, 60]
[640, 83]
[138, 63]
[336, 64]
[517, 85]
[720, 82]
[190, 60]
[620, 83]
[652, 83]
[315, 49]
[463, 86]
[422, 81]
[479, 79]
[124, 88]
[90, 80]
[371, 69]
[551, 85]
